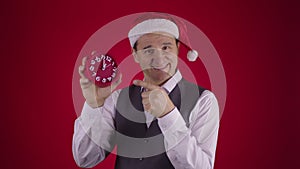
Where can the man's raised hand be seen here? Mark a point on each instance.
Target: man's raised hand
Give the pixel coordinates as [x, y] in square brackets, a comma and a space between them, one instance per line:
[94, 95]
[155, 99]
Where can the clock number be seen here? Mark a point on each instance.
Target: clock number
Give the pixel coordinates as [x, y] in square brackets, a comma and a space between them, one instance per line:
[98, 78]
[93, 62]
[109, 78]
[94, 74]
[103, 80]
[108, 58]
[97, 59]
[113, 75]
[92, 68]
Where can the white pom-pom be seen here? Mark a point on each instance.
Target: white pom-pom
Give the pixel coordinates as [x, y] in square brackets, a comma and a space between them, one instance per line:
[192, 55]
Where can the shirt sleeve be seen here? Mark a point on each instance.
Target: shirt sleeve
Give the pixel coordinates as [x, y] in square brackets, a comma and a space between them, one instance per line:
[94, 133]
[193, 147]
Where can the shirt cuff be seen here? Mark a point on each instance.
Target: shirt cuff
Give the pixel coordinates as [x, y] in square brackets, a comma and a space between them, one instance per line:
[173, 128]
[169, 119]
[88, 115]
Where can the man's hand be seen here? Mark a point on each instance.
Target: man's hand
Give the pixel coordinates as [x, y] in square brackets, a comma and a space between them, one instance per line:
[94, 95]
[155, 99]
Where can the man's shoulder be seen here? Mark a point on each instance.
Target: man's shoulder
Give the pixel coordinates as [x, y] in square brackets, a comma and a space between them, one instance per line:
[190, 86]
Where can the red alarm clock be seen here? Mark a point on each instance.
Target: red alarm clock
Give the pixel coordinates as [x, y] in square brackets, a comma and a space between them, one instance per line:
[101, 69]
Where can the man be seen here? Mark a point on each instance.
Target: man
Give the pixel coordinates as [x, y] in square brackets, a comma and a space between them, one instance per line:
[160, 122]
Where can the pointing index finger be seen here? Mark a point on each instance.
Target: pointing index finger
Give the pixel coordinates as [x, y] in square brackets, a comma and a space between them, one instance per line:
[146, 85]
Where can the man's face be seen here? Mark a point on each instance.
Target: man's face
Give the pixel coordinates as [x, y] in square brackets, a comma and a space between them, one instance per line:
[157, 54]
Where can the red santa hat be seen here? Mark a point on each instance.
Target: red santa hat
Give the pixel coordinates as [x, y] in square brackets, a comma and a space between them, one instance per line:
[161, 22]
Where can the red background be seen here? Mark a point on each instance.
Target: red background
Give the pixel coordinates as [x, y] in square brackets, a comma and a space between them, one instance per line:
[256, 41]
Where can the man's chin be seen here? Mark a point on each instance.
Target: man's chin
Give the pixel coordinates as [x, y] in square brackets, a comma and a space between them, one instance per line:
[158, 76]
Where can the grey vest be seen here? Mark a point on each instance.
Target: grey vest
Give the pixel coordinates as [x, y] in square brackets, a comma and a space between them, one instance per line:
[140, 147]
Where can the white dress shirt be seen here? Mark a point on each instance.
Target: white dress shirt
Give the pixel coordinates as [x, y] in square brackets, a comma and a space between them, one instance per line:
[190, 147]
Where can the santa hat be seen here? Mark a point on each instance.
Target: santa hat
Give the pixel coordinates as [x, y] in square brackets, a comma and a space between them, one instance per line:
[161, 22]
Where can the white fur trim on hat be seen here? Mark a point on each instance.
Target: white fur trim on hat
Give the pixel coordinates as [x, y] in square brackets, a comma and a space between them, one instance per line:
[192, 55]
[151, 26]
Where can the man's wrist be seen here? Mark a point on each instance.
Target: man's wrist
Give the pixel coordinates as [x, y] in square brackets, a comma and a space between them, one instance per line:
[96, 104]
[168, 111]
[170, 119]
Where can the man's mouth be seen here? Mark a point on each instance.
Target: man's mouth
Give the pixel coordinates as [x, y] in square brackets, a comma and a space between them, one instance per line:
[162, 68]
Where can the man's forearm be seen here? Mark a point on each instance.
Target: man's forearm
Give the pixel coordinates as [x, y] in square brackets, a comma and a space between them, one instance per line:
[192, 147]
[86, 153]
[93, 136]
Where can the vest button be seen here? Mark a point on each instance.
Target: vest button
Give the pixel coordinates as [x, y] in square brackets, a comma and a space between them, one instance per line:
[140, 159]
[146, 140]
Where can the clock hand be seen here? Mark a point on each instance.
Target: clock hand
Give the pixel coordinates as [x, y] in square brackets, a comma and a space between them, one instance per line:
[103, 64]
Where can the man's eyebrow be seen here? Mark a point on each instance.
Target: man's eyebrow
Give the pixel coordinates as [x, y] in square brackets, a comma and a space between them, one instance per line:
[167, 43]
[149, 46]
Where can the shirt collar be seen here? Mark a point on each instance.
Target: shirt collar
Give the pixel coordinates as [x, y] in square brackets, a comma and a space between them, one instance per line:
[171, 83]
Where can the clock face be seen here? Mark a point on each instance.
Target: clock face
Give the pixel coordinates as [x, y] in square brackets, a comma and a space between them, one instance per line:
[102, 69]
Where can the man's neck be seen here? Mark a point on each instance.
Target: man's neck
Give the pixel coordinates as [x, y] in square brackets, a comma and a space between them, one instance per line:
[158, 83]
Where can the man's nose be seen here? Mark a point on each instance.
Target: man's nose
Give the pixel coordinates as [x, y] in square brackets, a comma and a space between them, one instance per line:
[159, 57]
[159, 53]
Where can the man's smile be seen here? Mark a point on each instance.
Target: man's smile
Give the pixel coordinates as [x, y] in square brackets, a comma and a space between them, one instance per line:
[161, 67]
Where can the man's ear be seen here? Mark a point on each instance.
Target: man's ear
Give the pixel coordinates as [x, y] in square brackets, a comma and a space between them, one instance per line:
[135, 56]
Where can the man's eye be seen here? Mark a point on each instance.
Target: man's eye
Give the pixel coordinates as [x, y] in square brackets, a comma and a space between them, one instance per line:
[166, 47]
[149, 51]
